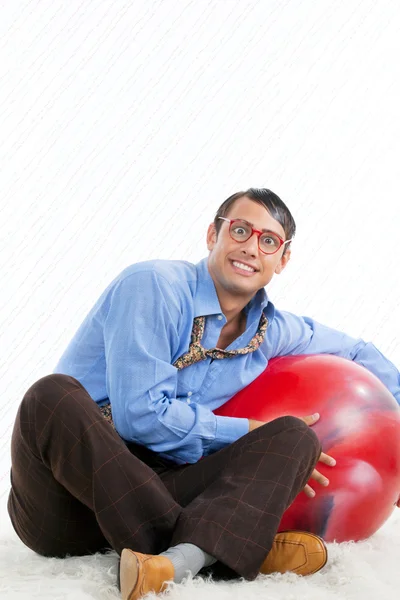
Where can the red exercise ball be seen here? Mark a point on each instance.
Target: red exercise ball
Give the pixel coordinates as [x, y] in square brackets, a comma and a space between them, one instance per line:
[359, 426]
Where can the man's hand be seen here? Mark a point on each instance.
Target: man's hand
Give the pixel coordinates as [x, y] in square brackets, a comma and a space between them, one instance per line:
[324, 458]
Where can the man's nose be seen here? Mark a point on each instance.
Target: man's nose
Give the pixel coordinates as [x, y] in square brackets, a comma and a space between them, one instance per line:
[251, 245]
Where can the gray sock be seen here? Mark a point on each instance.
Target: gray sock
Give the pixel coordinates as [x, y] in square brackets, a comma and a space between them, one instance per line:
[187, 557]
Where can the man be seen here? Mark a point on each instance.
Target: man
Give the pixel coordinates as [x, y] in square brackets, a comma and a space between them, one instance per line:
[121, 448]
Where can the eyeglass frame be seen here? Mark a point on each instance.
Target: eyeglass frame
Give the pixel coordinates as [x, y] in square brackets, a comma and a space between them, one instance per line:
[259, 234]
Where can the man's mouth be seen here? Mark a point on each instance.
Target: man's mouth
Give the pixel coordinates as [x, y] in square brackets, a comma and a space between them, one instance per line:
[242, 267]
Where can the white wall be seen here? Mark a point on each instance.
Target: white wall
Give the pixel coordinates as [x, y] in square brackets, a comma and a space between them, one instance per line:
[123, 126]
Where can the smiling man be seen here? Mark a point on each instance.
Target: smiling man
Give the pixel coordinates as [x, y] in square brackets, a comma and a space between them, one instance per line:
[120, 447]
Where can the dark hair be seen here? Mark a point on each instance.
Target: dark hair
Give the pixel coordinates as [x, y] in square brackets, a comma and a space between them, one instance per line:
[274, 205]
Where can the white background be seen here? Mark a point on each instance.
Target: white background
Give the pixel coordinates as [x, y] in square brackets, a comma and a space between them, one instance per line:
[124, 125]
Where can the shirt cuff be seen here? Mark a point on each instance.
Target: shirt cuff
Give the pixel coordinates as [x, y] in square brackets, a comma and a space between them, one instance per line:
[229, 429]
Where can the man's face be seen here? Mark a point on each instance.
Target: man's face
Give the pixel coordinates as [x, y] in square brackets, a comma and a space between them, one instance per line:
[226, 253]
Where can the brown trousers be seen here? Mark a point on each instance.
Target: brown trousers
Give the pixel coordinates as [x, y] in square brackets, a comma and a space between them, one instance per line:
[78, 488]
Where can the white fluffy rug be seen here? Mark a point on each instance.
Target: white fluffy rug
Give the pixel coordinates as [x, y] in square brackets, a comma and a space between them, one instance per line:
[367, 570]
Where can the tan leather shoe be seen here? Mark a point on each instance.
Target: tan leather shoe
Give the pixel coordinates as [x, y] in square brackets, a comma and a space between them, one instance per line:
[297, 551]
[140, 574]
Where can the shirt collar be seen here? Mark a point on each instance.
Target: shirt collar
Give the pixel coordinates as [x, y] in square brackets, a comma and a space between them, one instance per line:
[206, 300]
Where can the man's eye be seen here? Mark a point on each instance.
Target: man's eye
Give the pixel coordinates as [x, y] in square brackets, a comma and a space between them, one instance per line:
[240, 231]
[271, 241]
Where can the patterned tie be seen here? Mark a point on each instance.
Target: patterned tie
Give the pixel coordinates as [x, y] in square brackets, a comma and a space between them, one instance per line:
[197, 352]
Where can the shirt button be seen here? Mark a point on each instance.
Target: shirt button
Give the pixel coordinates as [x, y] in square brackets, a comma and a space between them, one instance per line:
[188, 401]
[190, 393]
[219, 317]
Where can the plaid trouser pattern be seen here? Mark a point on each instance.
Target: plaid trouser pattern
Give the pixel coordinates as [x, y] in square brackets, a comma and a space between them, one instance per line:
[77, 488]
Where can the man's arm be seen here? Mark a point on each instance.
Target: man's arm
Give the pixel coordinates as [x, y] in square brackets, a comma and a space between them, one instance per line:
[141, 336]
[295, 335]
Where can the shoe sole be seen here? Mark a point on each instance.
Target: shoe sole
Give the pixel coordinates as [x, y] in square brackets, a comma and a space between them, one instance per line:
[128, 573]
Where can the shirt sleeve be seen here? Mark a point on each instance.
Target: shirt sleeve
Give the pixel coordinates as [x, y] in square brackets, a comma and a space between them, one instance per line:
[141, 335]
[296, 335]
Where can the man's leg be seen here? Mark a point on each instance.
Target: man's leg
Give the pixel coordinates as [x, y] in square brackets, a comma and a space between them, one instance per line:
[234, 499]
[76, 488]
[233, 502]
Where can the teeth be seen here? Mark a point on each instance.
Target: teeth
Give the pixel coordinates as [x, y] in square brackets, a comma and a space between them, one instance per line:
[242, 266]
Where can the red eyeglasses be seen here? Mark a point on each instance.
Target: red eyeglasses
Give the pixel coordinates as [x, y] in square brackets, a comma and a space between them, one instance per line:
[269, 242]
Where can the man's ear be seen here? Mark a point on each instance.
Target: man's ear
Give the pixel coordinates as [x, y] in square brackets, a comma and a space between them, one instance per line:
[211, 236]
[283, 262]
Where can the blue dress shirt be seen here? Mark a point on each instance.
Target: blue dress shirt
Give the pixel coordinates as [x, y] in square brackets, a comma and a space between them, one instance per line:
[124, 351]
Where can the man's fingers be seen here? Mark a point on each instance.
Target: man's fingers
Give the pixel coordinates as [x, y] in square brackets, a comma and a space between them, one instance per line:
[324, 458]
[309, 491]
[311, 419]
[327, 460]
[319, 478]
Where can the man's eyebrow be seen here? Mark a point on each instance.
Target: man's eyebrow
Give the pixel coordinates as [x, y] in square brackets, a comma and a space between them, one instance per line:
[263, 230]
